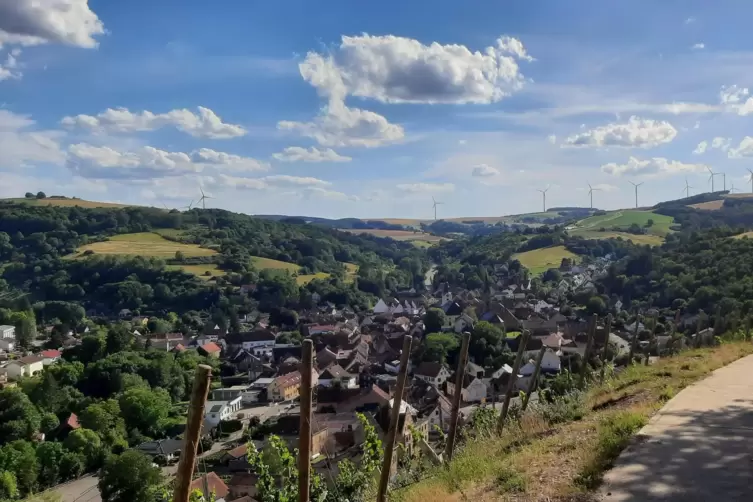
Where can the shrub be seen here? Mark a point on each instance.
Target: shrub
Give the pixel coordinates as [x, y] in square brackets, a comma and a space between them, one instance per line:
[615, 432]
[561, 409]
[510, 481]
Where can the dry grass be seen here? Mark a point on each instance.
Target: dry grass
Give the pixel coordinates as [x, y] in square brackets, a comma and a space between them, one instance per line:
[200, 270]
[712, 205]
[541, 260]
[67, 203]
[262, 263]
[643, 239]
[744, 235]
[563, 462]
[304, 279]
[144, 244]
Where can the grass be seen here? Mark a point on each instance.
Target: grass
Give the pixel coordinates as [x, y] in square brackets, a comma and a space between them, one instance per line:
[398, 235]
[304, 279]
[569, 459]
[262, 263]
[144, 244]
[175, 233]
[712, 205]
[744, 235]
[65, 203]
[200, 270]
[540, 260]
[644, 239]
[622, 219]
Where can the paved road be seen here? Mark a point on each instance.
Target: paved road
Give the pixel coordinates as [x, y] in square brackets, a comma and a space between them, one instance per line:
[698, 448]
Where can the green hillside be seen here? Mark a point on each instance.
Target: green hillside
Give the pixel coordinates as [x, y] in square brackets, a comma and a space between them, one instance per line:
[617, 223]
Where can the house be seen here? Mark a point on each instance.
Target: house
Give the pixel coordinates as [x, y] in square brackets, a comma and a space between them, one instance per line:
[25, 367]
[434, 373]
[440, 414]
[168, 448]
[242, 484]
[210, 349]
[463, 323]
[247, 288]
[50, 356]
[245, 361]
[237, 454]
[217, 411]
[286, 387]
[260, 342]
[7, 344]
[125, 314]
[166, 341]
[336, 373]
[474, 370]
[212, 484]
[380, 307]
[325, 357]
[316, 298]
[67, 426]
[550, 363]
[473, 391]
[340, 400]
[7, 331]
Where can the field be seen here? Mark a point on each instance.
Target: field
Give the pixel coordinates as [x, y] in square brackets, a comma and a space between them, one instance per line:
[642, 239]
[65, 203]
[744, 235]
[540, 260]
[200, 270]
[712, 205]
[398, 235]
[301, 279]
[616, 221]
[145, 244]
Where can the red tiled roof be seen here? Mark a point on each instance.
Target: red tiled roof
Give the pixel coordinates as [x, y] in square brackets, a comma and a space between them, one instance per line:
[210, 348]
[289, 380]
[238, 451]
[72, 421]
[51, 353]
[179, 348]
[214, 484]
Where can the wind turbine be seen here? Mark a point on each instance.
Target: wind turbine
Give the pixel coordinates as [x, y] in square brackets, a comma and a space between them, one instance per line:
[188, 207]
[543, 193]
[711, 177]
[636, 192]
[750, 176]
[591, 193]
[733, 189]
[687, 188]
[203, 198]
[724, 178]
[435, 206]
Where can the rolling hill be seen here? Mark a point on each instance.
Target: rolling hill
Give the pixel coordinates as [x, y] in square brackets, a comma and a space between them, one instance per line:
[616, 223]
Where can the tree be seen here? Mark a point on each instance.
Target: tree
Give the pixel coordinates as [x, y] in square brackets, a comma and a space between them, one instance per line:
[438, 346]
[19, 418]
[85, 442]
[49, 423]
[145, 409]
[596, 305]
[49, 457]
[434, 320]
[41, 195]
[129, 477]
[119, 339]
[29, 195]
[20, 458]
[179, 256]
[105, 418]
[8, 486]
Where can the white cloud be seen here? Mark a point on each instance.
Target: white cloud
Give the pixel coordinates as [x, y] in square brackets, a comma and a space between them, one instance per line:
[701, 148]
[285, 180]
[329, 194]
[10, 69]
[698, 47]
[205, 124]
[21, 146]
[636, 133]
[605, 187]
[654, 167]
[340, 126]
[395, 69]
[313, 154]
[732, 94]
[242, 183]
[34, 22]
[552, 138]
[690, 20]
[721, 143]
[484, 171]
[744, 149]
[425, 187]
[103, 162]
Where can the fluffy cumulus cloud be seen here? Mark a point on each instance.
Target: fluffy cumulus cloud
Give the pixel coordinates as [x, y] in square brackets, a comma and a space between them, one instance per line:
[21, 145]
[732, 94]
[635, 133]
[205, 124]
[341, 126]
[395, 69]
[484, 171]
[294, 185]
[699, 46]
[10, 68]
[425, 187]
[34, 22]
[744, 149]
[657, 166]
[313, 154]
[718, 143]
[285, 180]
[103, 162]
[325, 193]
[701, 148]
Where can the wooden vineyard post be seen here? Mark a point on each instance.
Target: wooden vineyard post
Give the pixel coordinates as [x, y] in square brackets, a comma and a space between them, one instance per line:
[199, 394]
[397, 402]
[589, 346]
[634, 342]
[535, 379]
[698, 329]
[513, 377]
[652, 338]
[462, 362]
[304, 440]
[747, 328]
[605, 351]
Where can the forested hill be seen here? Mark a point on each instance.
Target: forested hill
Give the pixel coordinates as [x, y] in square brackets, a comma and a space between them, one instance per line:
[40, 254]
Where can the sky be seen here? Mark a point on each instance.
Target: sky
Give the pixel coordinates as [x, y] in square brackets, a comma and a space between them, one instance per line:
[370, 109]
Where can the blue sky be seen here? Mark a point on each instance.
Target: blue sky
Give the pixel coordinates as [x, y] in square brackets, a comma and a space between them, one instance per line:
[328, 109]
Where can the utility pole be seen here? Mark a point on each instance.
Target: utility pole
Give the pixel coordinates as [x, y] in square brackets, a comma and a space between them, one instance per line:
[304, 440]
[459, 377]
[397, 401]
[199, 393]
